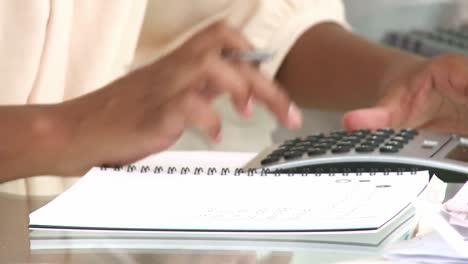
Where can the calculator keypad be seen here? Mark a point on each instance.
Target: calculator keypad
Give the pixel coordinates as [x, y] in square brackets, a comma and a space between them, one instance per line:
[385, 141]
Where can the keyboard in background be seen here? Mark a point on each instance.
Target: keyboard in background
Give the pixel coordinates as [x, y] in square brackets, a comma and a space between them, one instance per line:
[430, 43]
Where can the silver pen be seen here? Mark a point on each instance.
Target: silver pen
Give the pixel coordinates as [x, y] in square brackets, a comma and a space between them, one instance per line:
[253, 56]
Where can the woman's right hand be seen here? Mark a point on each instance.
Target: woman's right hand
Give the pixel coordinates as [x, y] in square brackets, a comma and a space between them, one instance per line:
[146, 111]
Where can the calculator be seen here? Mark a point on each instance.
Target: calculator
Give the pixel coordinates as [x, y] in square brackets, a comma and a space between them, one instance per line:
[383, 150]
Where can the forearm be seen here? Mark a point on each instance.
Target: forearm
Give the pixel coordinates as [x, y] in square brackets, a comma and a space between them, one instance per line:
[31, 139]
[331, 68]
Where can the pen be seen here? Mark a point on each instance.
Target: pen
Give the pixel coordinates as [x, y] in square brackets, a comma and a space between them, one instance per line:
[253, 56]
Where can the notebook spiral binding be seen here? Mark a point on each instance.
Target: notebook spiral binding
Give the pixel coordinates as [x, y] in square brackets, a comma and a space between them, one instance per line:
[303, 172]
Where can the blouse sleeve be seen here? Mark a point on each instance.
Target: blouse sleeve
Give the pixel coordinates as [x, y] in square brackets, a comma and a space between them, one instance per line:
[278, 24]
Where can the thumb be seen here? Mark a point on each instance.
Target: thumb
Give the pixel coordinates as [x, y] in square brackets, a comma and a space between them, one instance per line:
[368, 118]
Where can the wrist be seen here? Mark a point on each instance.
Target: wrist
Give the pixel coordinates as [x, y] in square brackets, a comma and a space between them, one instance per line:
[51, 129]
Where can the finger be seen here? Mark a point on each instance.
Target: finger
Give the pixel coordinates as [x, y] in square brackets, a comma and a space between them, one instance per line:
[452, 79]
[277, 101]
[222, 76]
[200, 115]
[369, 118]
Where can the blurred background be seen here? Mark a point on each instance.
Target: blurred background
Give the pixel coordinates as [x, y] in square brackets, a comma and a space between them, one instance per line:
[374, 18]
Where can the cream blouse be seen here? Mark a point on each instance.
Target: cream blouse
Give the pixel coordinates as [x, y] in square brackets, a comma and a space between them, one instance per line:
[54, 50]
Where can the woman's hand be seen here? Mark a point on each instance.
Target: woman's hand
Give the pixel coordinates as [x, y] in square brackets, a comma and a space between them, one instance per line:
[431, 94]
[146, 111]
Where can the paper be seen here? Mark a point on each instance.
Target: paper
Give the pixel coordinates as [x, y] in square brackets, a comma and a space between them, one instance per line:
[448, 242]
[107, 199]
[457, 208]
[118, 200]
[430, 248]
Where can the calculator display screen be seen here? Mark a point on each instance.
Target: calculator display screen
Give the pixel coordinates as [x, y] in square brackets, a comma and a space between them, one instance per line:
[460, 153]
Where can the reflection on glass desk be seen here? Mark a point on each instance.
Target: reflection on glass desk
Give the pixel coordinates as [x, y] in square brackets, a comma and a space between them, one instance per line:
[15, 246]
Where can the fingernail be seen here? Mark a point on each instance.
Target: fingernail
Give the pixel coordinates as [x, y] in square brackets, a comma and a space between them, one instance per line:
[294, 117]
[249, 108]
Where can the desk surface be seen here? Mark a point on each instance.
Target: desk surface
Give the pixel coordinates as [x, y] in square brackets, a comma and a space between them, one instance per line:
[15, 246]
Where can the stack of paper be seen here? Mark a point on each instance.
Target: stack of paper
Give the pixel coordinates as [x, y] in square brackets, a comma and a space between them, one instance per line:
[449, 242]
[457, 208]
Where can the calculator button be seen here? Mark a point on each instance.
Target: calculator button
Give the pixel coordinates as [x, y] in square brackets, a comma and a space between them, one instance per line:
[403, 140]
[375, 138]
[359, 134]
[397, 144]
[408, 136]
[365, 149]
[340, 149]
[386, 131]
[389, 149]
[347, 144]
[269, 160]
[311, 141]
[362, 131]
[276, 155]
[464, 141]
[352, 139]
[316, 151]
[299, 149]
[304, 144]
[371, 143]
[292, 155]
[382, 134]
[327, 140]
[335, 138]
[286, 145]
[430, 144]
[322, 145]
[413, 132]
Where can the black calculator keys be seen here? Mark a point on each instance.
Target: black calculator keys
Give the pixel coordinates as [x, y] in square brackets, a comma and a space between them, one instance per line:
[361, 132]
[375, 138]
[397, 144]
[409, 131]
[408, 134]
[372, 143]
[346, 144]
[270, 160]
[299, 148]
[386, 131]
[341, 149]
[292, 155]
[400, 139]
[329, 141]
[385, 140]
[279, 152]
[339, 133]
[316, 151]
[352, 139]
[365, 149]
[389, 149]
[382, 134]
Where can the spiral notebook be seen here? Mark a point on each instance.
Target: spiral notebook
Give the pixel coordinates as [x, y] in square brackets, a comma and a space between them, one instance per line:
[204, 194]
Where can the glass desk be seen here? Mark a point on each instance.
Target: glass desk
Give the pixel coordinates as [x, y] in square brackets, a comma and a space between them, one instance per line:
[15, 246]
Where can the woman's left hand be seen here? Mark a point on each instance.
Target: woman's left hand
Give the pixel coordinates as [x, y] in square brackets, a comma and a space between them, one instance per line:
[431, 94]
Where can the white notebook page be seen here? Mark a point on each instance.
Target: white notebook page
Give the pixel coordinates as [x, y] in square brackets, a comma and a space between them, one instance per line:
[120, 200]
